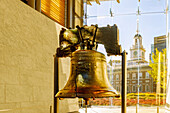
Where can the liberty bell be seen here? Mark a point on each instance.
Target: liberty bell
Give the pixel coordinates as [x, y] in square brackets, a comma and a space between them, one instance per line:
[88, 76]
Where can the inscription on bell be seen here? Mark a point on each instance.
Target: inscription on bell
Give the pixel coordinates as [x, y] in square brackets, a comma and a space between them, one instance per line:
[83, 67]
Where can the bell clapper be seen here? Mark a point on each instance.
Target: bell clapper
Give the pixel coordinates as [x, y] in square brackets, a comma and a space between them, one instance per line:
[86, 101]
[93, 98]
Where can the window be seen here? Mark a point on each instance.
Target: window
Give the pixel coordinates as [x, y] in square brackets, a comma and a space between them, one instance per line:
[136, 42]
[78, 12]
[134, 76]
[55, 9]
[140, 88]
[117, 88]
[147, 88]
[147, 81]
[133, 81]
[127, 88]
[140, 75]
[147, 75]
[133, 88]
[117, 77]
[143, 54]
[140, 51]
[128, 76]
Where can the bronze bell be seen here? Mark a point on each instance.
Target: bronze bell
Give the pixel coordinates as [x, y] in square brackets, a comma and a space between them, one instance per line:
[88, 78]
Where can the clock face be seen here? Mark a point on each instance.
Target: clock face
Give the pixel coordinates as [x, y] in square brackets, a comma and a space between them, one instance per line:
[135, 53]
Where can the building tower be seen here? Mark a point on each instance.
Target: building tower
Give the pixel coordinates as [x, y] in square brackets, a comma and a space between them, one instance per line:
[134, 50]
[137, 52]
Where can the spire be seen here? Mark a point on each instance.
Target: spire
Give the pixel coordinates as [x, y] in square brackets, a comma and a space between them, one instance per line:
[138, 13]
[137, 31]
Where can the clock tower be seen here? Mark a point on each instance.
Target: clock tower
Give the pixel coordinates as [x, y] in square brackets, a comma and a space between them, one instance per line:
[137, 50]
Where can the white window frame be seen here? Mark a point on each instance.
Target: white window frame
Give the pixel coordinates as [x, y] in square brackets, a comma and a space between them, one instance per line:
[147, 75]
[140, 75]
[133, 74]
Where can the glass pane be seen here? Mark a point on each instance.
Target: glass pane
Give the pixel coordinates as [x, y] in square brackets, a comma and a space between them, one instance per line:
[142, 33]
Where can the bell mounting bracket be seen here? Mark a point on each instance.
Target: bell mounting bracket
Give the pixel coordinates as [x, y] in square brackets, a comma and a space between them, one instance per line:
[85, 40]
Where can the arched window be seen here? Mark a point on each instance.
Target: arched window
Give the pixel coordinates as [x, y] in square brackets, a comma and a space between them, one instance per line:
[136, 42]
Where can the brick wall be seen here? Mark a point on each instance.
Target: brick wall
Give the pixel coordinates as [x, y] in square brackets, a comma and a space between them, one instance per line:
[28, 41]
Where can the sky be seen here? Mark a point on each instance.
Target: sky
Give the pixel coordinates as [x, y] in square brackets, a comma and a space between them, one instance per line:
[150, 25]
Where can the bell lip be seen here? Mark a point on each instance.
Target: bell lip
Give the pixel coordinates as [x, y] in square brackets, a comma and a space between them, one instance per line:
[116, 96]
[112, 93]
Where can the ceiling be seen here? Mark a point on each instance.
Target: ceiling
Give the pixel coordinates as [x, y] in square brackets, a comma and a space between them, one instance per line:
[98, 1]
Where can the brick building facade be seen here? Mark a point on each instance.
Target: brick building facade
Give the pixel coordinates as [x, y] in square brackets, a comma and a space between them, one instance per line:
[136, 66]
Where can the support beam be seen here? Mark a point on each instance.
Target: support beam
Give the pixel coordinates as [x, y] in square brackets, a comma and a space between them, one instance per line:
[56, 84]
[124, 81]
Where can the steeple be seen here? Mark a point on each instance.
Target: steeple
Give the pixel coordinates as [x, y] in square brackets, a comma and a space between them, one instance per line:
[137, 51]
